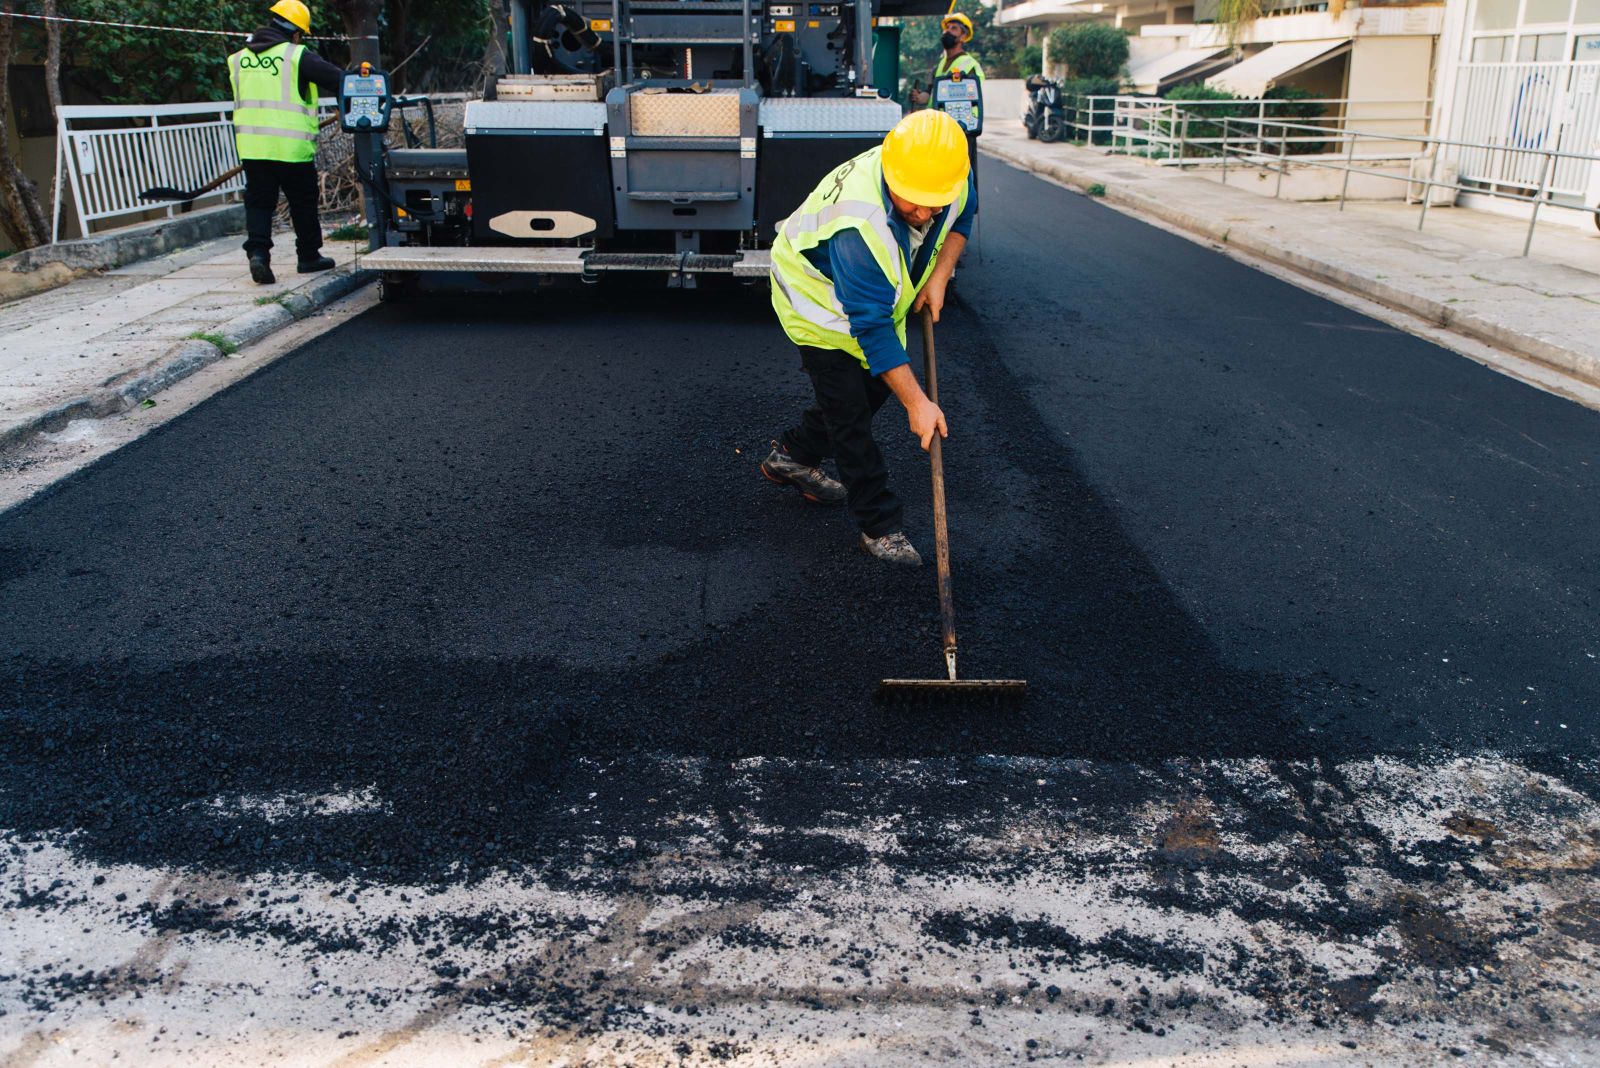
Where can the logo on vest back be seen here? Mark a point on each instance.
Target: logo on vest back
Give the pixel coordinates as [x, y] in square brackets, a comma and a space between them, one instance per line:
[260, 62]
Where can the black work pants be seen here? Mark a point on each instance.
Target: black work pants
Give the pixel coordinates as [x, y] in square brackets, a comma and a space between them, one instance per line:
[839, 425]
[262, 180]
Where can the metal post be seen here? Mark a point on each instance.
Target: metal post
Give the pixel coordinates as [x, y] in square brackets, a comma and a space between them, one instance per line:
[1544, 185]
[1283, 156]
[1427, 190]
[61, 161]
[1349, 165]
[1224, 150]
[622, 76]
[863, 43]
[1183, 140]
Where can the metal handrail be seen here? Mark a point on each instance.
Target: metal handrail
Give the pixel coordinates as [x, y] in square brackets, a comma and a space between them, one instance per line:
[1265, 162]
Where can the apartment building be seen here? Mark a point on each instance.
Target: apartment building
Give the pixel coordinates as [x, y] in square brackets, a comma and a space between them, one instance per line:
[1522, 78]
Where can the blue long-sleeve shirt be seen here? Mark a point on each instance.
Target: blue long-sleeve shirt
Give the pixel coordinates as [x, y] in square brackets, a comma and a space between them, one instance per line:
[866, 296]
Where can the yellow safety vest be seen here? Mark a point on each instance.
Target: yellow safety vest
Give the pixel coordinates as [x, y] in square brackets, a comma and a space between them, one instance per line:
[850, 198]
[271, 120]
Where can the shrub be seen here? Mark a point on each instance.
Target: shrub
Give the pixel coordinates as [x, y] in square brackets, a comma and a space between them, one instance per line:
[1029, 59]
[1284, 102]
[1089, 51]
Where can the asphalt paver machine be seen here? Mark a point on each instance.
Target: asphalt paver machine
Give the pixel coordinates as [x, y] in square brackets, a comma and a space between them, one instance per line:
[631, 136]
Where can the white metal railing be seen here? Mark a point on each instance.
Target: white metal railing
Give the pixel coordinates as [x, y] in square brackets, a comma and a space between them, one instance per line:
[1529, 106]
[1159, 128]
[110, 154]
[1250, 141]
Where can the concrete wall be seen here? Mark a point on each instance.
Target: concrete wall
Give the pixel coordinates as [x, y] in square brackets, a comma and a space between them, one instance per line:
[1003, 100]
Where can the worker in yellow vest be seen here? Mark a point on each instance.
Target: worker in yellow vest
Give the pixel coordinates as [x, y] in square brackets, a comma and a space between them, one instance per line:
[275, 81]
[957, 83]
[876, 241]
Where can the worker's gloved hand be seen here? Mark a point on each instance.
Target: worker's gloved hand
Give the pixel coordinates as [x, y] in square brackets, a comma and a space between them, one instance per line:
[927, 420]
[932, 297]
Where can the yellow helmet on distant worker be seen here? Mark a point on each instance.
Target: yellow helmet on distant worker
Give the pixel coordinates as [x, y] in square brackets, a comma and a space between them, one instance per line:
[956, 16]
[293, 12]
[925, 159]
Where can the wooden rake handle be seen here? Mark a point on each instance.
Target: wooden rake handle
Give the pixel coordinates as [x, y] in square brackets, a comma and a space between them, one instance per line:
[941, 528]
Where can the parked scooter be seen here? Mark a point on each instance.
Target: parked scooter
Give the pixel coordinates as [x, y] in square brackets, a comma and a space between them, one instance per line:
[1044, 118]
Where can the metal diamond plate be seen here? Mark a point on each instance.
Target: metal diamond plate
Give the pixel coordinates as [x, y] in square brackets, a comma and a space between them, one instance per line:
[536, 115]
[828, 115]
[713, 114]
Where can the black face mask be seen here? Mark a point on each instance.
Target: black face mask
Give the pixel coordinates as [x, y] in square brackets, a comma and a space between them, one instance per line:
[948, 40]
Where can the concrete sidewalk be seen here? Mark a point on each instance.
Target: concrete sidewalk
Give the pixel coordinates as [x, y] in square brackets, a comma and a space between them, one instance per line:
[1463, 272]
[105, 342]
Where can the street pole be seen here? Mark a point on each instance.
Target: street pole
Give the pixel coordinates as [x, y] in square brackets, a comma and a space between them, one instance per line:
[1427, 190]
[1544, 185]
[1349, 165]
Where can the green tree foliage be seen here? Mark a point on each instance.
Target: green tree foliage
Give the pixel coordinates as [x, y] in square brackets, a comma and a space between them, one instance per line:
[131, 66]
[994, 46]
[1236, 16]
[126, 66]
[1029, 59]
[1283, 102]
[1089, 50]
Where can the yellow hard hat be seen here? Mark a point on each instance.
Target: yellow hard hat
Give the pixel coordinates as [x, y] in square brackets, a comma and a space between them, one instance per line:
[925, 159]
[293, 12]
[956, 16]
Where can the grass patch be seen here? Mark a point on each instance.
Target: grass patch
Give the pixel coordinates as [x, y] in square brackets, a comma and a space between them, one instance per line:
[349, 232]
[270, 298]
[228, 348]
[1096, 190]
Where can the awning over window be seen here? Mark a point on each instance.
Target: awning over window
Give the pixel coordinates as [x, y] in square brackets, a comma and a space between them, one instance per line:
[1152, 75]
[1267, 68]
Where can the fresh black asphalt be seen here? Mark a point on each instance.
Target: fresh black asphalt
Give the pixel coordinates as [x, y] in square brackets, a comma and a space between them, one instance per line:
[460, 552]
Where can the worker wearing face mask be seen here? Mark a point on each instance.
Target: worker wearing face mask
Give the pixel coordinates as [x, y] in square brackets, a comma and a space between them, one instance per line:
[957, 84]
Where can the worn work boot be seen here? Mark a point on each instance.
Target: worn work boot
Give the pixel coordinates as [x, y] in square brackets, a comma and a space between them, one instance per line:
[893, 548]
[321, 263]
[261, 271]
[812, 482]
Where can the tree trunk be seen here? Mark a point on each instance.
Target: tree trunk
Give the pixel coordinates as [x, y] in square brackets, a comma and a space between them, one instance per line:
[360, 19]
[52, 58]
[494, 50]
[21, 217]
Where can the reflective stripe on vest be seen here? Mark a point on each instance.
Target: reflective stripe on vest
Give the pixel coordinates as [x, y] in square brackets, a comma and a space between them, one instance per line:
[271, 120]
[964, 63]
[850, 198]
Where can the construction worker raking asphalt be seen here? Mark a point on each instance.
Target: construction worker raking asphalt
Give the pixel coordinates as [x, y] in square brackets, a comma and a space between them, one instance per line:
[876, 240]
[275, 80]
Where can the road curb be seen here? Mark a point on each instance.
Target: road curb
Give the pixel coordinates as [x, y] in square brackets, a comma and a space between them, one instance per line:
[1581, 365]
[131, 388]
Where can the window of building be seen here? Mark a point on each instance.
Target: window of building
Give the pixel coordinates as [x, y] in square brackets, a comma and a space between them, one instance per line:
[1586, 49]
[1540, 47]
[1539, 11]
[1489, 49]
[1496, 15]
